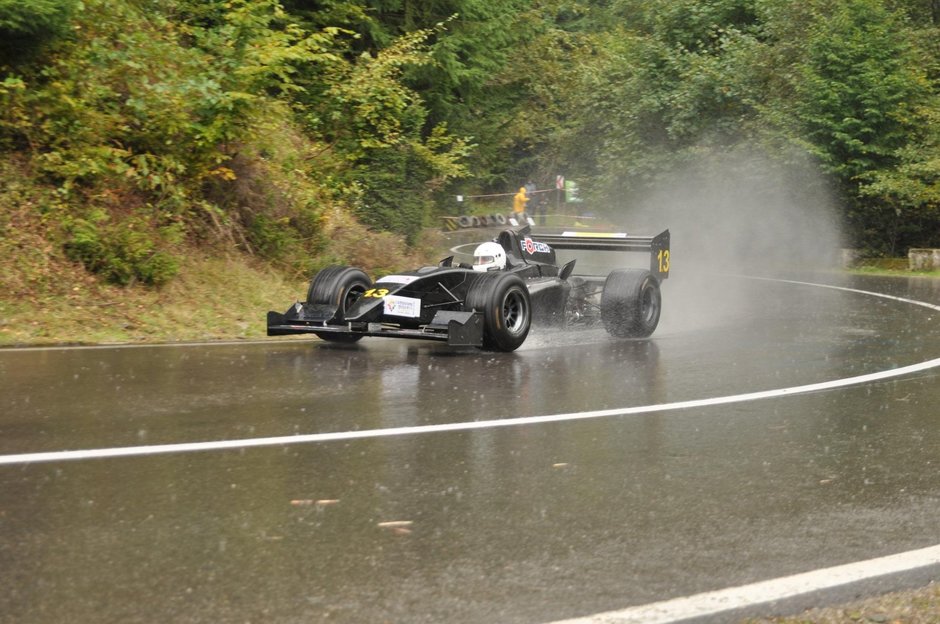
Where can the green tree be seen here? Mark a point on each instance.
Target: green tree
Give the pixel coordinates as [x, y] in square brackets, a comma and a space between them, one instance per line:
[857, 92]
[459, 81]
[911, 189]
[377, 124]
[663, 89]
[27, 24]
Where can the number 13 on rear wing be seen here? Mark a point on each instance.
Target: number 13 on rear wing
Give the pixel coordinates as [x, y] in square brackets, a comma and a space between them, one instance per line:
[659, 255]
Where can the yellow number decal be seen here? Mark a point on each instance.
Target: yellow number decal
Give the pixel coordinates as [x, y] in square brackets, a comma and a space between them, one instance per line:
[378, 293]
[663, 256]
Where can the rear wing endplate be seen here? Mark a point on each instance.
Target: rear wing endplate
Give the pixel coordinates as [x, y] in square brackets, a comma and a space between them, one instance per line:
[657, 246]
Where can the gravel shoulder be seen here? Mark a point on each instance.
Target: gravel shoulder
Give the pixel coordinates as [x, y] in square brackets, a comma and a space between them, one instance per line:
[918, 606]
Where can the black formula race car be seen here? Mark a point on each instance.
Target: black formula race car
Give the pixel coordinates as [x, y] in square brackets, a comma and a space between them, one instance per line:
[491, 310]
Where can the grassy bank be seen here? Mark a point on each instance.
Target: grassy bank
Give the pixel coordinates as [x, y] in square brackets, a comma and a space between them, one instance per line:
[212, 299]
[218, 294]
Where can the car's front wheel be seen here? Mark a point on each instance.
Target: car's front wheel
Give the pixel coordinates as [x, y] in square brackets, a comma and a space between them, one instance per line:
[339, 286]
[503, 300]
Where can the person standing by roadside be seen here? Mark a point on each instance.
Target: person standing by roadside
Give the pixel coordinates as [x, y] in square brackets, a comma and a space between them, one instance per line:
[518, 204]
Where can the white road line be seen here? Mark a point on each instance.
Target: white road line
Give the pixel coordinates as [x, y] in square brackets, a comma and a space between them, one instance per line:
[844, 289]
[716, 602]
[188, 447]
[129, 451]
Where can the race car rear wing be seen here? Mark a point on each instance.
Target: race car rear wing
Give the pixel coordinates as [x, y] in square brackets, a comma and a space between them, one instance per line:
[657, 246]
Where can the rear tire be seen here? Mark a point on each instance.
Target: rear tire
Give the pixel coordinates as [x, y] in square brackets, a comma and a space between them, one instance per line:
[339, 286]
[631, 303]
[503, 300]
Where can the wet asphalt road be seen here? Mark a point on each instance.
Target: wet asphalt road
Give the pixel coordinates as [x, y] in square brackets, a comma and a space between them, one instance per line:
[517, 524]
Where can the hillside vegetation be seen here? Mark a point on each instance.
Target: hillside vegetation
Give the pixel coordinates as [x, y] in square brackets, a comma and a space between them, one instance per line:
[139, 138]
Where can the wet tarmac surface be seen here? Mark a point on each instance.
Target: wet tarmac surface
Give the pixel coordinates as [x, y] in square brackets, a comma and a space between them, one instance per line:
[527, 523]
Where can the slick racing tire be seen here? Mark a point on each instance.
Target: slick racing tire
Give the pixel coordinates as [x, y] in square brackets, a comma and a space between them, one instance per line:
[631, 303]
[339, 286]
[503, 300]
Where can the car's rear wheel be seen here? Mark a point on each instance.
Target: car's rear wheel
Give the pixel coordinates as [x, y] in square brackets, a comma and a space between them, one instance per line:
[631, 303]
[503, 300]
[339, 286]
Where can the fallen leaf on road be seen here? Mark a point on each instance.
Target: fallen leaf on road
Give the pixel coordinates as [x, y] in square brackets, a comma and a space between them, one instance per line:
[395, 524]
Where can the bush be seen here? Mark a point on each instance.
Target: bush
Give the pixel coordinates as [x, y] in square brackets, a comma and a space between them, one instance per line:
[272, 238]
[122, 253]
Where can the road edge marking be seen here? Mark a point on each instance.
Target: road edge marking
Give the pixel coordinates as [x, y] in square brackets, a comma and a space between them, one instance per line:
[734, 598]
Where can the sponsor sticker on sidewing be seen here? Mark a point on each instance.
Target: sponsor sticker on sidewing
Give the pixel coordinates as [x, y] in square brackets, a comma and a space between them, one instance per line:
[402, 306]
[530, 246]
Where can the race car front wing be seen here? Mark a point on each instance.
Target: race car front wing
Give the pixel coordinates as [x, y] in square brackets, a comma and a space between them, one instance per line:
[457, 328]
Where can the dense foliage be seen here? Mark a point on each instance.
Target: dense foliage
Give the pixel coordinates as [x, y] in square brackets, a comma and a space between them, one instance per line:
[131, 130]
[850, 84]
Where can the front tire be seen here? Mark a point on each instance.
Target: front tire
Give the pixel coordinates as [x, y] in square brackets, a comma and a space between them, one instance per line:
[631, 303]
[503, 300]
[339, 286]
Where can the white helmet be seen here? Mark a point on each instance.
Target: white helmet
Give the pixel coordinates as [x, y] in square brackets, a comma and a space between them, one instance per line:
[489, 257]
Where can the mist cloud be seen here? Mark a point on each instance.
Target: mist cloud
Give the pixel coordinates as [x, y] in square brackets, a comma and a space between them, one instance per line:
[742, 211]
[737, 213]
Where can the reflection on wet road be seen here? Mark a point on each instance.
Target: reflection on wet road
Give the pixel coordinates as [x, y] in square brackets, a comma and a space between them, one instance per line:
[520, 524]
